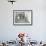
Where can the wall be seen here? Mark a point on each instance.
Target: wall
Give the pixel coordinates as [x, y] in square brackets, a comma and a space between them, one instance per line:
[37, 31]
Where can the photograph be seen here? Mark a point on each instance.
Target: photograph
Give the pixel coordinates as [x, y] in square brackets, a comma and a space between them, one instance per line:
[22, 17]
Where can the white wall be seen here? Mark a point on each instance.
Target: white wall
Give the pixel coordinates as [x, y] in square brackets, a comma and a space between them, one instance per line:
[38, 30]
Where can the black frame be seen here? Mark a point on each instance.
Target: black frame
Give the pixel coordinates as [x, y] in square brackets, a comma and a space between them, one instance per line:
[24, 24]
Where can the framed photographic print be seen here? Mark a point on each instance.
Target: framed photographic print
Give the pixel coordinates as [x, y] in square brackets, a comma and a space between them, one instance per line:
[22, 17]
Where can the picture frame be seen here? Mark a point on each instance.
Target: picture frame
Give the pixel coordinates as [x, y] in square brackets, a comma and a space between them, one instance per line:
[22, 17]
